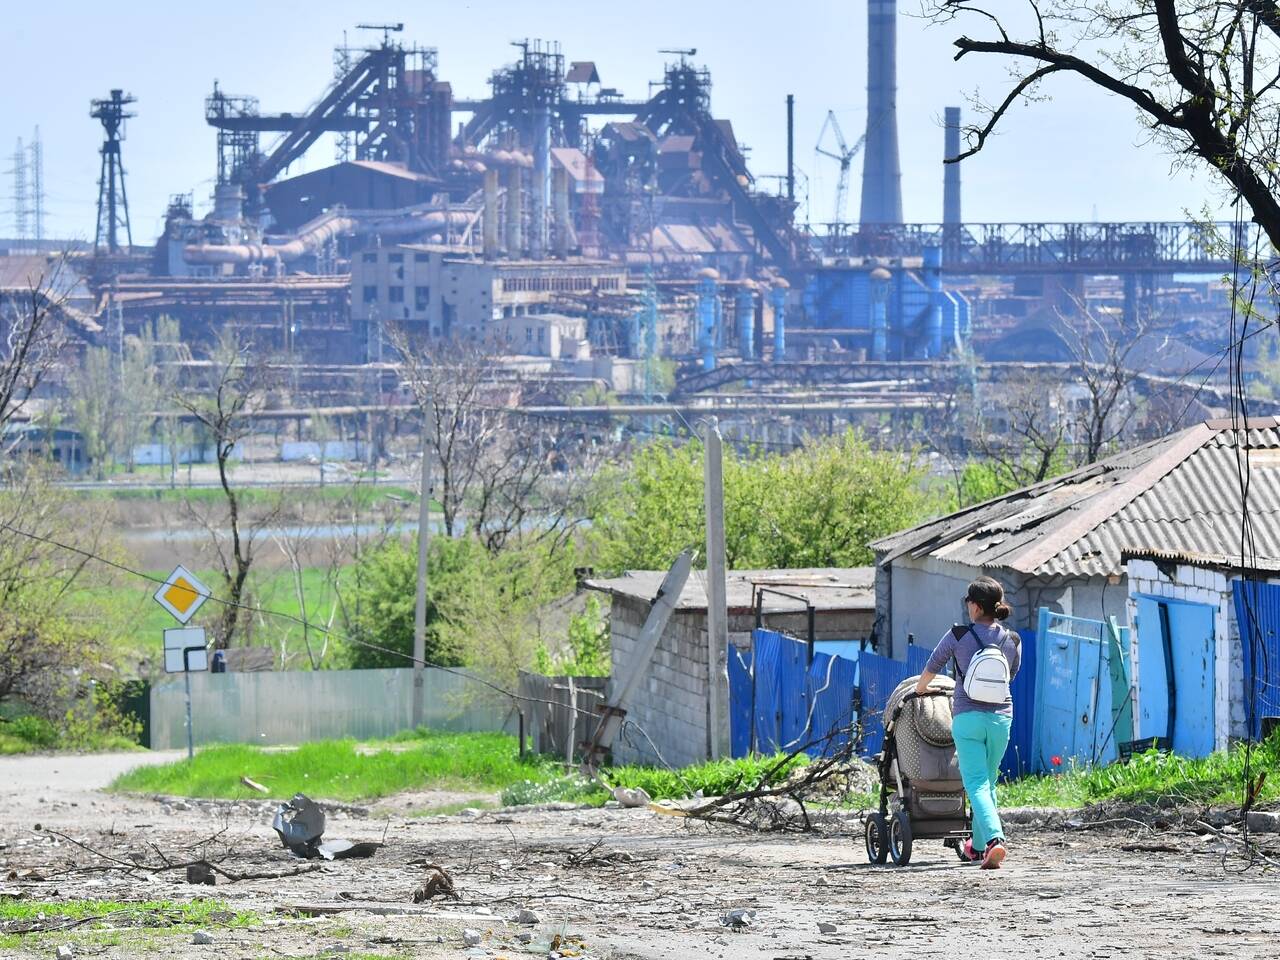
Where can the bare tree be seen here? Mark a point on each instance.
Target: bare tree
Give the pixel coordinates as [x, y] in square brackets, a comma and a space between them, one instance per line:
[493, 469]
[33, 321]
[1105, 357]
[1204, 75]
[234, 389]
[1023, 431]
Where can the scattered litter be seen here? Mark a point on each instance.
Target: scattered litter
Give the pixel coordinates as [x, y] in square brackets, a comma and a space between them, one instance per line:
[824, 927]
[631, 798]
[300, 824]
[65, 952]
[528, 917]
[202, 937]
[438, 883]
[201, 873]
[471, 937]
[738, 919]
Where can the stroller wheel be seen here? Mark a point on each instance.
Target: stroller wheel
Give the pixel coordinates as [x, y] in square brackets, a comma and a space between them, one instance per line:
[900, 838]
[877, 836]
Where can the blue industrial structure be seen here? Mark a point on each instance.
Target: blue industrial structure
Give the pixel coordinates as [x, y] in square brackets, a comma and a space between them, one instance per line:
[898, 313]
[708, 302]
[745, 310]
[778, 297]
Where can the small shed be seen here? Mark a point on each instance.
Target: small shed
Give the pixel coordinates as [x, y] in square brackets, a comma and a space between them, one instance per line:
[673, 705]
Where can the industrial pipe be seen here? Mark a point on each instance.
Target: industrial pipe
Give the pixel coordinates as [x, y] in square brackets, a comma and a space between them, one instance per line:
[515, 243]
[933, 282]
[745, 309]
[560, 205]
[778, 297]
[880, 278]
[707, 298]
[490, 214]
[314, 235]
[541, 181]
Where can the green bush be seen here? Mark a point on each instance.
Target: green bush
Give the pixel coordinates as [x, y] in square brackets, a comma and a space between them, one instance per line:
[36, 731]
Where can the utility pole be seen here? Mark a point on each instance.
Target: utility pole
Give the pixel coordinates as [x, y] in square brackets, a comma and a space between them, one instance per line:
[420, 605]
[717, 604]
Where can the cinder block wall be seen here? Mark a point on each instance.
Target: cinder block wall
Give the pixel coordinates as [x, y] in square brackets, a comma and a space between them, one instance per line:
[671, 702]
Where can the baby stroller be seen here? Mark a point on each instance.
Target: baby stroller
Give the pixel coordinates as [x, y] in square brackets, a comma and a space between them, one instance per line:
[921, 794]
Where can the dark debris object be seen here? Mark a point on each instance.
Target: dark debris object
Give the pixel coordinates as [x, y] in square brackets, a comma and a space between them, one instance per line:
[300, 826]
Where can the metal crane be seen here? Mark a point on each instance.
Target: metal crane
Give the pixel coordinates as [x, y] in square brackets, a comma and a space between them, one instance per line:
[844, 156]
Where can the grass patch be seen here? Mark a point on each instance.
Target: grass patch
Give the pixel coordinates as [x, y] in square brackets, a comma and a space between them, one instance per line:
[712, 778]
[1152, 778]
[337, 770]
[148, 913]
[449, 809]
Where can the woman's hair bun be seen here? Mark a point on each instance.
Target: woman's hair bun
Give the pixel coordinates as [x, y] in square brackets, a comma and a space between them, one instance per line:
[1003, 611]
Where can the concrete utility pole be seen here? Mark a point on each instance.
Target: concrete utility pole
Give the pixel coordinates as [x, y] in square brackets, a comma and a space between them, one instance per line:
[717, 602]
[420, 605]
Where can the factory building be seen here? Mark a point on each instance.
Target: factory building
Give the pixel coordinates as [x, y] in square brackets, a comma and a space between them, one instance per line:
[434, 291]
[897, 311]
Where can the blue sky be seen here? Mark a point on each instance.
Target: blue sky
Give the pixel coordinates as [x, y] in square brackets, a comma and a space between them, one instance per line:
[1078, 155]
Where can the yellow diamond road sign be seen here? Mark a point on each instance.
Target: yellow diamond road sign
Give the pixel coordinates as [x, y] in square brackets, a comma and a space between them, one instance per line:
[182, 594]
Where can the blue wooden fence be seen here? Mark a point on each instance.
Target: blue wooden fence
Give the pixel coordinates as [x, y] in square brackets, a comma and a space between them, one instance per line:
[775, 703]
[1258, 614]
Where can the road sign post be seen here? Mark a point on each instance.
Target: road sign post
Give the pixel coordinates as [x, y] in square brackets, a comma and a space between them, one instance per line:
[182, 594]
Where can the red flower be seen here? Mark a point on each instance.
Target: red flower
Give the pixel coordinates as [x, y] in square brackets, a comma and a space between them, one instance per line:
[1056, 760]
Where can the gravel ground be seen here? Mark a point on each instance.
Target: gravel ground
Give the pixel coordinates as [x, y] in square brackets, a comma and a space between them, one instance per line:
[620, 884]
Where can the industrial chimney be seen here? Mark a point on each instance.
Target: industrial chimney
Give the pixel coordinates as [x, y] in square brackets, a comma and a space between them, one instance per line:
[951, 171]
[881, 175]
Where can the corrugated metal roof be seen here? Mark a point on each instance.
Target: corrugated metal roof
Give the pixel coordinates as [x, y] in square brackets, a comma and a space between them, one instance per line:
[1177, 494]
[828, 588]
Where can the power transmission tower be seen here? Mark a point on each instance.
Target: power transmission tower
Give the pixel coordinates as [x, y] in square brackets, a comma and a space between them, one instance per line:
[113, 203]
[37, 188]
[20, 212]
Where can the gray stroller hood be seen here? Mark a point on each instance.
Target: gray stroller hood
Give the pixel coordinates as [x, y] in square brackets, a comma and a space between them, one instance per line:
[922, 732]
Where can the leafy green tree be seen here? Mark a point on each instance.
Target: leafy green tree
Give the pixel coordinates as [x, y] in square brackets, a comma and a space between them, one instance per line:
[94, 410]
[385, 598]
[588, 652]
[817, 506]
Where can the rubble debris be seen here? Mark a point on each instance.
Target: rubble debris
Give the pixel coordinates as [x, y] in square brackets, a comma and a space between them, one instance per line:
[825, 927]
[524, 936]
[628, 797]
[528, 917]
[738, 919]
[201, 873]
[438, 883]
[202, 938]
[65, 952]
[471, 937]
[300, 825]
[254, 785]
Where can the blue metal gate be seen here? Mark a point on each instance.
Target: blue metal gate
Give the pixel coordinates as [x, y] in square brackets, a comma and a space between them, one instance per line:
[1076, 712]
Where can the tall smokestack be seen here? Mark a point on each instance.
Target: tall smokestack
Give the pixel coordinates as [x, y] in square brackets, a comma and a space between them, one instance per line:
[951, 171]
[881, 175]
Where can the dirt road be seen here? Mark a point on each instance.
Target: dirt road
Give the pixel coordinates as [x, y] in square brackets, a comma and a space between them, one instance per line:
[629, 883]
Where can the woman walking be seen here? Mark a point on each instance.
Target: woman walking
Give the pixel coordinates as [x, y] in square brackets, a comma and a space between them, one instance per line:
[980, 722]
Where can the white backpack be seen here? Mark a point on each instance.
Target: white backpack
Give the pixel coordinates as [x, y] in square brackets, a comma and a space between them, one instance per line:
[987, 680]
